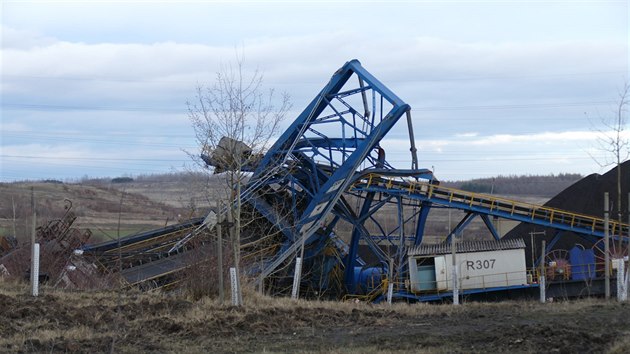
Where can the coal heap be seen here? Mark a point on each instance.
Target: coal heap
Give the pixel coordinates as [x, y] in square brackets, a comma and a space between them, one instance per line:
[585, 196]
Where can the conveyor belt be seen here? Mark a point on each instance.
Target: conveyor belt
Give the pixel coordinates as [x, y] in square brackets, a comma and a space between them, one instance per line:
[141, 240]
[156, 269]
[489, 205]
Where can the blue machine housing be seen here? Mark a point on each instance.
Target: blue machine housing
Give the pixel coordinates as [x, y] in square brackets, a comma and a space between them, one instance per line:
[582, 263]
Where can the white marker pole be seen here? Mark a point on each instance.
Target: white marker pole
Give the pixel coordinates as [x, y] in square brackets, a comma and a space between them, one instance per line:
[296, 278]
[35, 270]
[621, 291]
[235, 289]
[454, 270]
[390, 292]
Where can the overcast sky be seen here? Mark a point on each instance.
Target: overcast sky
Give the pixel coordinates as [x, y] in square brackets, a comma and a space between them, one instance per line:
[99, 88]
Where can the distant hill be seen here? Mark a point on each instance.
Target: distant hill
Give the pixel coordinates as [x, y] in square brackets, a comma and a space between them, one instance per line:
[527, 185]
[99, 208]
[151, 201]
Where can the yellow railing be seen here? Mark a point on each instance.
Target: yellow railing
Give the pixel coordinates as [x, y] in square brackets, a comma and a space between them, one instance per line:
[492, 203]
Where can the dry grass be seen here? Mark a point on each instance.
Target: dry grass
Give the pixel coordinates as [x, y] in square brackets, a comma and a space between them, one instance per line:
[62, 321]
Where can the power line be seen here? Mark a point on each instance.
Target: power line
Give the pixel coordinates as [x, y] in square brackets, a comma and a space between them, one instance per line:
[281, 82]
[89, 158]
[183, 110]
[51, 107]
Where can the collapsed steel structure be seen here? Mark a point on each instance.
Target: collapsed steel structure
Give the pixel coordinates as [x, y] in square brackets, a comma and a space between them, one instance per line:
[321, 191]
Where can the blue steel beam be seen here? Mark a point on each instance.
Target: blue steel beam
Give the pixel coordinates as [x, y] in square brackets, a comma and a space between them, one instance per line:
[354, 245]
[331, 161]
[490, 226]
[425, 207]
[457, 203]
[461, 225]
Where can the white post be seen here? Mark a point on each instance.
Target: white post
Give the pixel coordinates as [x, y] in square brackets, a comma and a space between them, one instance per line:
[390, 285]
[454, 271]
[621, 288]
[296, 278]
[35, 270]
[235, 289]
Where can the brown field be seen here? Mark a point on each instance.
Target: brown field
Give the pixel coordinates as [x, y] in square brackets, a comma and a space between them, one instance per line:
[98, 207]
[58, 321]
[153, 202]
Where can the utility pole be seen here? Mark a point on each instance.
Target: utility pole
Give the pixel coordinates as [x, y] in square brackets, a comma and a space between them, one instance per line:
[14, 218]
[533, 250]
[34, 250]
[606, 247]
[220, 254]
[33, 232]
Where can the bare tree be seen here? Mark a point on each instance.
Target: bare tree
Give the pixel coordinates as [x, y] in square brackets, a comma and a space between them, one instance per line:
[235, 120]
[613, 139]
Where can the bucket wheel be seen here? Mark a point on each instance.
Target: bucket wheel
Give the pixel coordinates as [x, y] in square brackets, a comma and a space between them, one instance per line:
[614, 252]
[557, 265]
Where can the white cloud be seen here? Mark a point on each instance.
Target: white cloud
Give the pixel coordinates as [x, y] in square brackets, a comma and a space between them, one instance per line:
[6, 127]
[467, 135]
[13, 38]
[545, 138]
[135, 75]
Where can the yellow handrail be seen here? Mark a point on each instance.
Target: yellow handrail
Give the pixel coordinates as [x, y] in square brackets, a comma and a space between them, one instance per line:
[534, 211]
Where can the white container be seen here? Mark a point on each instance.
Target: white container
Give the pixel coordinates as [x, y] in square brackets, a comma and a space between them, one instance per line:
[476, 270]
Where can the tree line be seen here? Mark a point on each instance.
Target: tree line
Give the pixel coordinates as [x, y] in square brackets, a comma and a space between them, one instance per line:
[536, 185]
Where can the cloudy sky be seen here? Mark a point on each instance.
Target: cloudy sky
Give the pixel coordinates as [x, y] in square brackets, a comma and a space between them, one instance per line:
[99, 88]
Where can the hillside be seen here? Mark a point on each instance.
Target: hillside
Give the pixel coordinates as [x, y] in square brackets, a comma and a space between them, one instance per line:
[528, 185]
[152, 201]
[97, 207]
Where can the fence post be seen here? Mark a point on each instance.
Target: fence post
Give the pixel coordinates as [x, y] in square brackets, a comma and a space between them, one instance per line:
[35, 270]
[621, 288]
[296, 278]
[390, 284]
[235, 289]
[454, 271]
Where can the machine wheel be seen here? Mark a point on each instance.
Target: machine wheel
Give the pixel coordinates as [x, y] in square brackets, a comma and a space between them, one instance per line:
[614, 252]
[557, 265]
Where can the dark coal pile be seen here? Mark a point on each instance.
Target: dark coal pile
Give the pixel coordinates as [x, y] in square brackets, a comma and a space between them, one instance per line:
[585, 196]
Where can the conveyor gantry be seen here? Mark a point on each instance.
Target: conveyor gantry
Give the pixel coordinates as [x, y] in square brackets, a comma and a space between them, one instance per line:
[329, 169]
[489, 205]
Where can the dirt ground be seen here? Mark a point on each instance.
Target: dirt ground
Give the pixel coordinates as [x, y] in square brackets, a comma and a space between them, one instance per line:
[89, 322]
